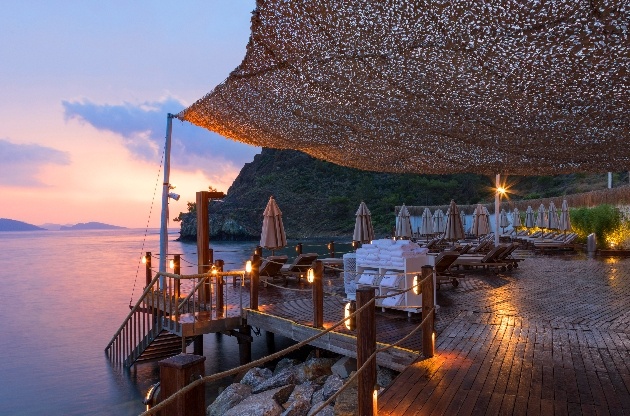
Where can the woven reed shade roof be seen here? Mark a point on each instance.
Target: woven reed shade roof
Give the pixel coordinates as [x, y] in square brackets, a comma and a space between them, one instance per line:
[518, 87]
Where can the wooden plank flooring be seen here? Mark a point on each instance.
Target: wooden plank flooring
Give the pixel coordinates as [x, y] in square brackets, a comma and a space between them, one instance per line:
[552, 338]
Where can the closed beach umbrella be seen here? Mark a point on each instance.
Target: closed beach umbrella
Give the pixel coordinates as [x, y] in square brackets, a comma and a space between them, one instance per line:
[542, 220]
[272, 236]
[462, 214]
[480, 222]
[438, 221]
[554, 220]
[427, 222]
[403, 223]
[516, 218]
[363, 230]
[565, 220]
[503, 220]
[454, 227]
[486, 218]
[529, 217]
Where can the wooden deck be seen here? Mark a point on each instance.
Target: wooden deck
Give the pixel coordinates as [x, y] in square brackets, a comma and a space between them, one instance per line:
[551, 338]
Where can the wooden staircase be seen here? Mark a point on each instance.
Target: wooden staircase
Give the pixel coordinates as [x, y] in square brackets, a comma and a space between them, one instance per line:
[152, 330]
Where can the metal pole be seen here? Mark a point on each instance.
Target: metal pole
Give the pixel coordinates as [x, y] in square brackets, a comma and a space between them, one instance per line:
[165, 190]
[497, 202]
[609, 180]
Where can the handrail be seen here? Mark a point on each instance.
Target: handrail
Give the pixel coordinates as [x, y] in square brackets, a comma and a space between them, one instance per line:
[133, 310]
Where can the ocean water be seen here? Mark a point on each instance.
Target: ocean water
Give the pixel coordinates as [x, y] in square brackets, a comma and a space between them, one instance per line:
[64, 294]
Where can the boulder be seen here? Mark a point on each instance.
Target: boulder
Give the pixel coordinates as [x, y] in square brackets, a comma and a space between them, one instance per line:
[230, 397]
[303, 392]
[256, 375]
[284, 378]
[344, 366]
[346, 402]
[299, 407]
[284, 364]
[332, 386]
[314, 368]
[263, 404]
[326, 411]
[384, 376]
[318, 396]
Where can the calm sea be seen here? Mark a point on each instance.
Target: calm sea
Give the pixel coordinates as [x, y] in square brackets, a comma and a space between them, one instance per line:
[64, 294]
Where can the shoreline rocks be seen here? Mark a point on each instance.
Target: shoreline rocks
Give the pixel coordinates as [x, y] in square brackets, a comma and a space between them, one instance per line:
[294, 388]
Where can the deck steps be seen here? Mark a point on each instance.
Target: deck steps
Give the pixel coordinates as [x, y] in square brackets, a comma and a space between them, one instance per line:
[163, 346]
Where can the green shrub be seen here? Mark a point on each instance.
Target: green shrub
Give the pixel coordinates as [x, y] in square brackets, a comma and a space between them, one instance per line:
[602, 220]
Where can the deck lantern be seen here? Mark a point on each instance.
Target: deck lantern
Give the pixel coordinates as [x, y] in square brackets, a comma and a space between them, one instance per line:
[144, 259]
[351, 321]
[416, 289]
[248, 266]
[171, 264]
[310, 275]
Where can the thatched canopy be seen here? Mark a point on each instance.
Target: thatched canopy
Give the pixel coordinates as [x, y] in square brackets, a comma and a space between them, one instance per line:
[518, 87]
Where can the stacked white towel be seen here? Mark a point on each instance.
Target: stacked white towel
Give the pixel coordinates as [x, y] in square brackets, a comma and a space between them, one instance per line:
[389, 253]
[394, 300]
[391, 279]
[369, 277]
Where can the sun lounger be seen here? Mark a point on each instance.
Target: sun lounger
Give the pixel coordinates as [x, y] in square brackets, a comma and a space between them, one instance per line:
[566, 243]
[489, 260]
[269, 268]
[443, 263]
[298, 268]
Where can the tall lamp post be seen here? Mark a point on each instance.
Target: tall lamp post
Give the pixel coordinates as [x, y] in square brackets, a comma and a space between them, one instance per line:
[500, 190]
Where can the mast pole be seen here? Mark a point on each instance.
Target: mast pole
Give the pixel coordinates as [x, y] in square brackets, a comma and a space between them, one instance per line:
[165, 192]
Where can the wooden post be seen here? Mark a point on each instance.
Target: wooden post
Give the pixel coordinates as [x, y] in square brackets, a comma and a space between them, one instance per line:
[220, 304]
[258, 251]
[427, 310]
[298, 248]
[177, 269]
[318, 294]
[149, 272]
[245, 346]
[253, 282]
[366, 346]
[203, 240]
[176, 373]
[331, 249]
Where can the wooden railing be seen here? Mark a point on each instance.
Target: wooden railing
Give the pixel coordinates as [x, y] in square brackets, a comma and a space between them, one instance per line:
[161, 306]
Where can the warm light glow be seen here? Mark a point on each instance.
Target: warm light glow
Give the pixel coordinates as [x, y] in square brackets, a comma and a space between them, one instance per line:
[310, 275]
[416, 288]
[171, 264]
[214, 270]
[248, 266]
[144, 259]
[501, 190]
[375, 401]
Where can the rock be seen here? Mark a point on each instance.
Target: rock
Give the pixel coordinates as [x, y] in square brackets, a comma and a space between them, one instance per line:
[346, 402]
[262, 404]
[332, 385]
[303, 392]
[299, 407]
[313, 368]
[326, 411]
[255, 376]
[344, 367]
[286, 377]
[318, 396]
[230, 397]
[384, 376]
[285, 363]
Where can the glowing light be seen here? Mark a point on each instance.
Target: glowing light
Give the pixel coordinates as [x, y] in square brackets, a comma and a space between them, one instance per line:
[171, 264]
[144, 259]
[349, 309]
[375, 401]
[501, 190]
[310, 275]
[248, 266]
[416, 288]
[214, 270]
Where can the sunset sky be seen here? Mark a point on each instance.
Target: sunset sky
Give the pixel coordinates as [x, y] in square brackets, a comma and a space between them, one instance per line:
[86, 87]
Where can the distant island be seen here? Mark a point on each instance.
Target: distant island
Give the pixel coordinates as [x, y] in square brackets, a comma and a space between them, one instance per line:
[90, 226]
[13, 225]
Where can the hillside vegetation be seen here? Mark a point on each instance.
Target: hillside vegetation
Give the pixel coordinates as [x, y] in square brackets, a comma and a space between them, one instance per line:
[318, 198]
